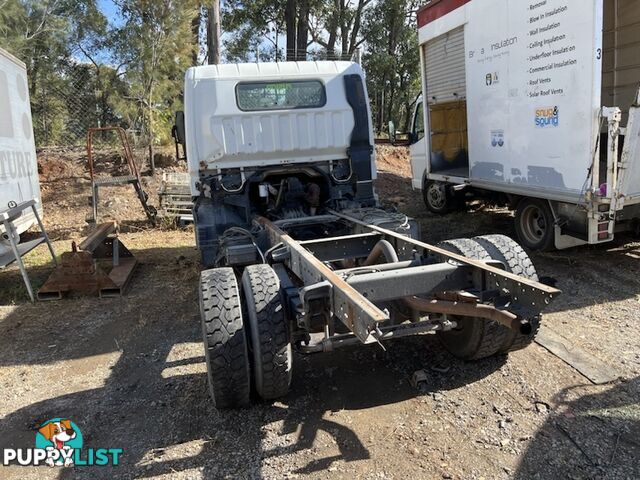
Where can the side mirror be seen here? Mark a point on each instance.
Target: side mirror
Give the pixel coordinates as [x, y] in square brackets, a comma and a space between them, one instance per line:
[392, 132]
[178, 128]
[178, 134]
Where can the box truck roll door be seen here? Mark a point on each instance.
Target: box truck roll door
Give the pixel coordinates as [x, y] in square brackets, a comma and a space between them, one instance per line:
[620, 82]
[620, 54]
[445, 74]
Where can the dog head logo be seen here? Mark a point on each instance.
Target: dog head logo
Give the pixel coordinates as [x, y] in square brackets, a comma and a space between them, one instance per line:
[60, 437]
[58, 432]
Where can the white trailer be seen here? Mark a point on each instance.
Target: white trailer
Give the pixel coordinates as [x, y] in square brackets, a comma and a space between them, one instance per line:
[534, 102]
[18, 163]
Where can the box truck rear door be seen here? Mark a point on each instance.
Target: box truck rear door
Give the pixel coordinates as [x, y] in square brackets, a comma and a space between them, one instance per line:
[629, 170]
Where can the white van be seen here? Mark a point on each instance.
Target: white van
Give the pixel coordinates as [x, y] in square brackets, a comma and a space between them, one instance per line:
[18, 163]
[535, 103]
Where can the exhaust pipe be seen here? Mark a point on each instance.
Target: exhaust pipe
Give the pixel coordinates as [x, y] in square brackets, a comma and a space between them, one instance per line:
[466, 309]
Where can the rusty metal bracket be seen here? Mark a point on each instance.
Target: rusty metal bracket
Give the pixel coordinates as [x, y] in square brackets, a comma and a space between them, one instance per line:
[83, 270]
[132, 179]
[467, 309]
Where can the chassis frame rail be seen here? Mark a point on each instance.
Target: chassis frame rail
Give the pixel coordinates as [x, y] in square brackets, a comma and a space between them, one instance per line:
[452, 285]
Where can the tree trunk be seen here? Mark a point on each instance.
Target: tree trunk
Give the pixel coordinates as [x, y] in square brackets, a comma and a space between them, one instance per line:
[344, 31]
[303, 30]
[195, 32]
[290, 21]
[213, 33]
[408, 112]
[332, 28]
[152, 160]
[355, 30]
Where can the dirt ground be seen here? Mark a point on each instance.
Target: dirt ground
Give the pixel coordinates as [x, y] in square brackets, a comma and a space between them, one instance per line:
[129, 371]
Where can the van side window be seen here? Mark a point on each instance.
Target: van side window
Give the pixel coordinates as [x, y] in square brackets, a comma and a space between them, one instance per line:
[418, 123]
[258, 96]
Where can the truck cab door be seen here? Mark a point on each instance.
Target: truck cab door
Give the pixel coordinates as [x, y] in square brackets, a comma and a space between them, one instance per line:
[418, 146]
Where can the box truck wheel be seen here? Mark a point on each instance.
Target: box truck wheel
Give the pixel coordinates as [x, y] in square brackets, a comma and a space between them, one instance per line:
[268, 332]
[515, 260]
[534, 224]
[225, 343]
[473, 338]
[438, 197]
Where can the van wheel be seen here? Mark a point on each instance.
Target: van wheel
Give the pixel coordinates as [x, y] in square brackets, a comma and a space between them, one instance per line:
[534, 223]
[272, 357]
[437, 197]
[473, 338]
[225, 343]
[515, 260]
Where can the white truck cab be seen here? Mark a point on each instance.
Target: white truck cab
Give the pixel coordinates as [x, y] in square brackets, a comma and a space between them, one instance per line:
[276, 139]
[536, 105]
[279, 114]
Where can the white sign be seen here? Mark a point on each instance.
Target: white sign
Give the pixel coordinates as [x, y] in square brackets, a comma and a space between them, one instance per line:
[18, 164]
[533, 90]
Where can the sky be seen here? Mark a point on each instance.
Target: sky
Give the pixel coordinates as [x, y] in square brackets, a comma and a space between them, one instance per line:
[110, 10]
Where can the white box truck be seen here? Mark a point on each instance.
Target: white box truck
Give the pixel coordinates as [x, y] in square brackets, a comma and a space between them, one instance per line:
[18, 163]
[536, 103]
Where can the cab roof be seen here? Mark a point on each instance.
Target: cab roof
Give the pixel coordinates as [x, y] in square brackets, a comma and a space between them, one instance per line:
[275, 69]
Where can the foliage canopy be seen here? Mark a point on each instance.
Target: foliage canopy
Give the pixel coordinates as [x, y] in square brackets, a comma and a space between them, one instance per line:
[89, 70]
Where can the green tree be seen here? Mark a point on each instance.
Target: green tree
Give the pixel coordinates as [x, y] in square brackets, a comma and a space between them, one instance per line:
[154, 48]
[249, 26]
[48, 36]
[392, 60]
[336, 26]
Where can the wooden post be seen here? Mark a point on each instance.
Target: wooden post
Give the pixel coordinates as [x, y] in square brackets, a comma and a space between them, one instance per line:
[213, 33]
[290, 21]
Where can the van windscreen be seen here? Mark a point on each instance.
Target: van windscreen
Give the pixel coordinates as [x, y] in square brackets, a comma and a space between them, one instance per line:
[258, 96]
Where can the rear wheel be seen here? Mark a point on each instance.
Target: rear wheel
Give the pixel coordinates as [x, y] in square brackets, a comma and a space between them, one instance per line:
[515, 260]
[473, 338]
[535, 225]
[270, 345]
[225, 343]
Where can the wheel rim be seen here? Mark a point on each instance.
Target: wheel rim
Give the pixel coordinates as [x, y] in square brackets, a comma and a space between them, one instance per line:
[534, 224]
[436, 196]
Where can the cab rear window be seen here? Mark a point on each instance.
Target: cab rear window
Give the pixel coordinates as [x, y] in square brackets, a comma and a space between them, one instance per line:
[259, 96]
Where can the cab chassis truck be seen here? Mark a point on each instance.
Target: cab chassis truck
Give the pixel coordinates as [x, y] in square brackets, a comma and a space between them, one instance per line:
[298, 255]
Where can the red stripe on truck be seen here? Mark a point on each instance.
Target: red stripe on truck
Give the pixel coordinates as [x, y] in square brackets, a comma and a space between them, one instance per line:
[436, 9]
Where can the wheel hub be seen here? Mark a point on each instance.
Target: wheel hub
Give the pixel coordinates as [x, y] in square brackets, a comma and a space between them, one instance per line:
[534, 224]
[437, 196]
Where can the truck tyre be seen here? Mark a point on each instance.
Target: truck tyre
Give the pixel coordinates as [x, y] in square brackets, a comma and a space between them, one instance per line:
[515, 260]
[438, 197]
[473, 338]
[225, 343]
[534, 223]
[268, 333]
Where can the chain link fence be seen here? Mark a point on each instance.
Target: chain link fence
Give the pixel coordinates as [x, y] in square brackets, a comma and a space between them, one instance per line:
[75, 98]
[80, 96]
[69, 100]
